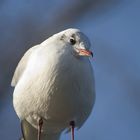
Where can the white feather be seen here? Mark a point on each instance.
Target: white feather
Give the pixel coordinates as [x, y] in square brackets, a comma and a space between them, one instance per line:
[54, 85]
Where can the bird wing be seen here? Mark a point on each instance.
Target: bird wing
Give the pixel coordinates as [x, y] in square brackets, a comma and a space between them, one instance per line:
[28, 131]
[22, 65]
[31, 133]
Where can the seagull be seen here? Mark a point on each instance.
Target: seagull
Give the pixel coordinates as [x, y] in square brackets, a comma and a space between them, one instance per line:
[54, 86]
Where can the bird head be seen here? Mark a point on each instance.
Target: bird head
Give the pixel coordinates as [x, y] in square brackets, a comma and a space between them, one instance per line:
[77, 42]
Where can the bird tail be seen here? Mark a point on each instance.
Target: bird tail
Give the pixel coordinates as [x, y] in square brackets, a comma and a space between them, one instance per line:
[31, 133]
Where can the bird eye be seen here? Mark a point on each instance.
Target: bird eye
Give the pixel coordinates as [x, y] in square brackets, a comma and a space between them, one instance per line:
[72, 41]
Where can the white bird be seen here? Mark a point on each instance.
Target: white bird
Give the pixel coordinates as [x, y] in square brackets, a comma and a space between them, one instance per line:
[54, 86]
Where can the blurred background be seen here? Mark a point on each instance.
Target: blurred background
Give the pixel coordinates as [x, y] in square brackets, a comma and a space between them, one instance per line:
[113, 27]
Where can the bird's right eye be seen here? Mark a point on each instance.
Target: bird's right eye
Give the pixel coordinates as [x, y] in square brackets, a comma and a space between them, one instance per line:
[72, 41]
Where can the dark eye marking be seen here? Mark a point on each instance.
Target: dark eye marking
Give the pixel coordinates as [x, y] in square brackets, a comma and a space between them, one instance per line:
[72, 41]
[63, 37]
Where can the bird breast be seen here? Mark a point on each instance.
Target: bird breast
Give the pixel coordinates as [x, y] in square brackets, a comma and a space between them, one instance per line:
[58, 87]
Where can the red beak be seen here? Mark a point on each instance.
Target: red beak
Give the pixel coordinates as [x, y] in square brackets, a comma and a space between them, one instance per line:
[83, 52]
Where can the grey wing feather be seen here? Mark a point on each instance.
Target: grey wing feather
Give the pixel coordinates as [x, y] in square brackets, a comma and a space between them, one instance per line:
[28, 132]
[31, 133]
[22, 65]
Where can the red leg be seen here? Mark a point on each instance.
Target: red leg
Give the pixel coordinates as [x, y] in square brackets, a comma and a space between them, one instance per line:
[72, 124]
[40, 124]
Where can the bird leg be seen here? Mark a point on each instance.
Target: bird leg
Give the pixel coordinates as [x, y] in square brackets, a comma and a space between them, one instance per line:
[40, 124]
[72, 124]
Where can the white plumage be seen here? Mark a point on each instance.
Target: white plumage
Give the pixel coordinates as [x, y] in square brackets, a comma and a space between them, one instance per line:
[54, 80]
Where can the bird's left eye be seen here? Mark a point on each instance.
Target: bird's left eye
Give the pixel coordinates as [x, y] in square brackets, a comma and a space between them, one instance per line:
[72, 41]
